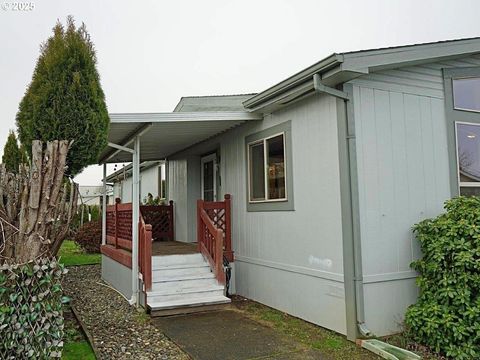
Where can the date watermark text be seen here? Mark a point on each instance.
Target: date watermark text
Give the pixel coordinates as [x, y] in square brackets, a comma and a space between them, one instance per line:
[17, 6]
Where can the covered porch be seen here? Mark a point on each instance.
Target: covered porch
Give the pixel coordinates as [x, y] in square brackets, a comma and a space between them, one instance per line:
[141, 255]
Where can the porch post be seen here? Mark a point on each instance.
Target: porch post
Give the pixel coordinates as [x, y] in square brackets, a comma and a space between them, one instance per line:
[135, 217]
[104, 206]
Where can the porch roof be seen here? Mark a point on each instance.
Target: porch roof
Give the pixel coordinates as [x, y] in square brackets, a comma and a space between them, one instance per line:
[163, 134]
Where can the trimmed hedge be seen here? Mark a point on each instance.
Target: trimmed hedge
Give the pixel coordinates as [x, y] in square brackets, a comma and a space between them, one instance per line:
[31, 316]
[89, 236]
[446, 316]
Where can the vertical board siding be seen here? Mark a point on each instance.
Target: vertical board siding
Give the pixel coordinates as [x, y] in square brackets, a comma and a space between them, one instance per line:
[403, 177]
[281, 254]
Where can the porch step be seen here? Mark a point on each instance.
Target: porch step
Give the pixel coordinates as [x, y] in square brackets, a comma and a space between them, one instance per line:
[179, 286]
[183, 284]
[185, 294]
[180, 266]
[201, 303]
[169, 260]
[159, 278]
[179, 271]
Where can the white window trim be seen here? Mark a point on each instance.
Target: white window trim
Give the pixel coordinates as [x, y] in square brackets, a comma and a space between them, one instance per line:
[463, 184]
[265, 169]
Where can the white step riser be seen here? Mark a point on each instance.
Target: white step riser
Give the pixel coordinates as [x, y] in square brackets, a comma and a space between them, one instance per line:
[183, 296]
[182, 277]
[179, 285]
[178, 273]
[195, 288]
[176, 259]
[181, 266]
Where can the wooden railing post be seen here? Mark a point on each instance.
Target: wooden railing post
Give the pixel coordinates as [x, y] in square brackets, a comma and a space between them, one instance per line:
[220, 275]
[147, 256]
[172, 223]
[115, 216]
[199, 223]
[228, 227]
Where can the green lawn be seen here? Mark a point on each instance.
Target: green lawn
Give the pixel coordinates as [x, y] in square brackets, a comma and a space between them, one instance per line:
[76, 345]
[71, 254]
[78, 350]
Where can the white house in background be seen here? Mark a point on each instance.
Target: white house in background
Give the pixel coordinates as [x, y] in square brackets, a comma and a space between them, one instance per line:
[151, 175]
[92, 195]
[327, 170]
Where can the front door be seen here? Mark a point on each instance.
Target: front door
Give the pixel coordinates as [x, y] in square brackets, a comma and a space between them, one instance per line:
[209, 178]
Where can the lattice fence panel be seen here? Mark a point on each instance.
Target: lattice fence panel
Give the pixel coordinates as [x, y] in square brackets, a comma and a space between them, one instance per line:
[161, 219]
[111, 223]
[124, 224]
[31, 317]
[218, 218]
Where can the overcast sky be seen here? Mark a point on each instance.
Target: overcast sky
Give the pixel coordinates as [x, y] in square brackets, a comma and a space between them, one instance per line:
[150, 53]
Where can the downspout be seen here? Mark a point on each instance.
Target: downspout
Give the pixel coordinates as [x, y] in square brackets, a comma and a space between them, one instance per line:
[352, 258]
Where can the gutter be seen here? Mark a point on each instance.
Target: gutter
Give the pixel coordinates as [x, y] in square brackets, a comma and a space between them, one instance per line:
[352, 259]
[293, 81]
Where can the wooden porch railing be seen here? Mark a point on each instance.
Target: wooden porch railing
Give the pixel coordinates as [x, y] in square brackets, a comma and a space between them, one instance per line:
[161, 219]
[220, 212]
[145, 252]
[119, 240]
[214, 233]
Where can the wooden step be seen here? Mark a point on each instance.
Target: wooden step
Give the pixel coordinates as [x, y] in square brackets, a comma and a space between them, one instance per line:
[169, 260]
[169, 286]
[186, 293]
[180, 271]
[184, 277]
[187, 306]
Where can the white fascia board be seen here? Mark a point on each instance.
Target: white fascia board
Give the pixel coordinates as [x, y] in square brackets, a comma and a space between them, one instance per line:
[408, 55]
[184, 117]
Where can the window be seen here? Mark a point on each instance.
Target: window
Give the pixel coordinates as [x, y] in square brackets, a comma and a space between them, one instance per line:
[268, 169]
[468, 158]
[466, 93]
[266, 159]
[462, 115]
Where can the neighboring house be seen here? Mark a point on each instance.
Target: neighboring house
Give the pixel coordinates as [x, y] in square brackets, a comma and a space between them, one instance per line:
[92, 195]
[151, 175]
[328, 171]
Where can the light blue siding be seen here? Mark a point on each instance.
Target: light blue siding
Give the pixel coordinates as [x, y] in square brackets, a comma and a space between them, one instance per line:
[290, 260]
[403, 178]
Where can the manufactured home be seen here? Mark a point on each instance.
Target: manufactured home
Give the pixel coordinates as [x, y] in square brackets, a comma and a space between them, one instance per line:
[305, 192]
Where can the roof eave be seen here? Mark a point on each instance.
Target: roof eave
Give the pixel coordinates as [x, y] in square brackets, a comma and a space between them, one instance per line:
[293, 81]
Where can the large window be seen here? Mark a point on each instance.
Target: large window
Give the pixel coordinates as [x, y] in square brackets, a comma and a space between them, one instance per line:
[468, 158]
[266, 165]
[462, 114]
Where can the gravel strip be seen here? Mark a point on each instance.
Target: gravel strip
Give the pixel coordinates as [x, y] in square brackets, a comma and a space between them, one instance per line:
[118, 330]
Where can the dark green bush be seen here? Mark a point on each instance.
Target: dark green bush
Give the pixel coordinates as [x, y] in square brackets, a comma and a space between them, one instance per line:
[89, 236]
[31, 317]
[446, 316]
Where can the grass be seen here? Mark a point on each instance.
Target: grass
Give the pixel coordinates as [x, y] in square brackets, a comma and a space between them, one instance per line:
[76, 345]
[327, 342]
[71, 255]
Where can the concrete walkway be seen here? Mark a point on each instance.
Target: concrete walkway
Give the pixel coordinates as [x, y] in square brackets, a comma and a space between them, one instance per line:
[229, 335]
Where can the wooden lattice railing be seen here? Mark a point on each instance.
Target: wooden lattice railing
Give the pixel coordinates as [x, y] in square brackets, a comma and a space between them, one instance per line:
[220, 214]
[119, 240]
[214, 233]
[161, 219]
